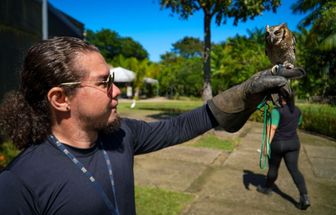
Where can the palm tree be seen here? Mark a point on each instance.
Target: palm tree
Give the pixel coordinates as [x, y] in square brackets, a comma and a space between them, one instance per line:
[320, 41]
[322, 20]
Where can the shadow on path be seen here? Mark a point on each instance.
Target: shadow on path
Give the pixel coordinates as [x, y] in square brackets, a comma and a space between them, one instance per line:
[251, 178]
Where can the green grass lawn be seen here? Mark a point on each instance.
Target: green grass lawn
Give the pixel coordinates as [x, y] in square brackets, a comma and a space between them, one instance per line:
[213, 142]
[165, 105]
[150, 201]
[156, 110]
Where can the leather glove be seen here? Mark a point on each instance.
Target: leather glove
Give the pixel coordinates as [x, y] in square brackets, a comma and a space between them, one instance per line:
[233, 107]
[285, 91]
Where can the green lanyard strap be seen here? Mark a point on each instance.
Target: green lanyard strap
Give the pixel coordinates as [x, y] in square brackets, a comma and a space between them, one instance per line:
[265, 143]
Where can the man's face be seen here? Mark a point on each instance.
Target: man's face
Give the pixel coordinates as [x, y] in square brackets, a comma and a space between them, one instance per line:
[93, 105]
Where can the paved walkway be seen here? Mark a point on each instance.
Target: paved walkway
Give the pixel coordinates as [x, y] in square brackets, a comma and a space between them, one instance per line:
[225, 183]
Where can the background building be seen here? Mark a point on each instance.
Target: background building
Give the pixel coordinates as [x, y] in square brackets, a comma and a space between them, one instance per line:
[20, 27]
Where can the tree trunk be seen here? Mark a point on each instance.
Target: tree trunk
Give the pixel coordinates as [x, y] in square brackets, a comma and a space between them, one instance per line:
[207, 91]
[136, 93]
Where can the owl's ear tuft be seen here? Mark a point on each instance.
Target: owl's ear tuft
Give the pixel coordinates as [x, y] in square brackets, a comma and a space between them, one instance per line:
[284, 25]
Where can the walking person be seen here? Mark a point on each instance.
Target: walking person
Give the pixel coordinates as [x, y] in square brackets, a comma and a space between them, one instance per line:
[77, 153]
[285, 144]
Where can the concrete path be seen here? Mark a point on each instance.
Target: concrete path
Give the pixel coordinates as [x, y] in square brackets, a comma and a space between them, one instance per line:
[225, 183]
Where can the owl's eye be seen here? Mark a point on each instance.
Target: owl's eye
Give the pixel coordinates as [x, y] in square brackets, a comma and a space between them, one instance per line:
[277, 32]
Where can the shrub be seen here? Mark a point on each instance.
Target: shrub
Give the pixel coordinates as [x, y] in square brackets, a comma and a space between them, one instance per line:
[318, 118]
[7, 153]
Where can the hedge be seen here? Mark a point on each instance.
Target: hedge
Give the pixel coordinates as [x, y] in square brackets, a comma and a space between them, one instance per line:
[317, 118]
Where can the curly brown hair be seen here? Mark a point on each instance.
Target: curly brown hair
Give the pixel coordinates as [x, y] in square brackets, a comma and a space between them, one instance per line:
[25, 116]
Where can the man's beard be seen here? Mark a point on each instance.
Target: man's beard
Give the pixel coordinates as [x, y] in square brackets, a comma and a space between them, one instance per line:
[104, 127]
[111, 127]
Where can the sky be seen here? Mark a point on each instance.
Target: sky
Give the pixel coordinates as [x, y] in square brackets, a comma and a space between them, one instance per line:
[157, 29]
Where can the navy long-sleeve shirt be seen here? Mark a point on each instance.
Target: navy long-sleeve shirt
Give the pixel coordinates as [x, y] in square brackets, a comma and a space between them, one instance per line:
[42, 180]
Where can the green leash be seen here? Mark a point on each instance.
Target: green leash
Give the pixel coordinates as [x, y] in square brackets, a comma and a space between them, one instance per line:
[265, 143]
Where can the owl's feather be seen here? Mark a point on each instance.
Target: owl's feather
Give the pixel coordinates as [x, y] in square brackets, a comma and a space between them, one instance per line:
[280, 44]
[280, 49]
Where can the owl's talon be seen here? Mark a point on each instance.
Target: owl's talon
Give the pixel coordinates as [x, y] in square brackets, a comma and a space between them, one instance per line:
[274, 69]
[288, 65]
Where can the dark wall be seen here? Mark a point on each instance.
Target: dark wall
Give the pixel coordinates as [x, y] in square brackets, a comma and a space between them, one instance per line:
[20, 27]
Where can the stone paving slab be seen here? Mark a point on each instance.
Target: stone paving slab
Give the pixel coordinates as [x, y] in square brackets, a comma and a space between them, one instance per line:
[325, 152]
[237, 185]
[324, 168]
[187, 153]
[315, 140]
[243, 160]
[173, 175]
[322, 159]
[235, 191]
[225, 183]
[264, 206]
[213, 206]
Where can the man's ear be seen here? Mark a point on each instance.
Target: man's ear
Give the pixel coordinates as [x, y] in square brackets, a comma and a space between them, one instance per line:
[58, 100]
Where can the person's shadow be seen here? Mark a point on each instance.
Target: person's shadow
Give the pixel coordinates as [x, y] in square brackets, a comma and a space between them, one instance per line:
[251, 178]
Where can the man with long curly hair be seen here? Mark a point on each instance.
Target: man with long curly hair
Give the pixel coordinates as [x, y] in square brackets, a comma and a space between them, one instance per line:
[77, 155]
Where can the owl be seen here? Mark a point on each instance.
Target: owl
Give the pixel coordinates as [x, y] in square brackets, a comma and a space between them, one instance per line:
[280, 49]
[280, 45]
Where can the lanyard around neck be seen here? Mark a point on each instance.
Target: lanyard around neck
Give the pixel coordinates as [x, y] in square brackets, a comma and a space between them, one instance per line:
[112, 207]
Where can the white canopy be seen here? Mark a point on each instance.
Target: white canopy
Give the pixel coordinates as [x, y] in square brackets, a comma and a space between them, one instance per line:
[150, 81]
[122, 74]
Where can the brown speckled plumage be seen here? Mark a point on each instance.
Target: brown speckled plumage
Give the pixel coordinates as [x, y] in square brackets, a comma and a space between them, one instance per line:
[280, 44]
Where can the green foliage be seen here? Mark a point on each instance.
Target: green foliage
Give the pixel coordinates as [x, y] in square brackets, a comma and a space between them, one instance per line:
[213, 142]
[150, 201]
[221, 11]
[142, 69]
[237, 59]
[316, 47]
[319, 118]
[7, 153]
[131, 48]
[111, 45]
[188, 47]
[180, 76]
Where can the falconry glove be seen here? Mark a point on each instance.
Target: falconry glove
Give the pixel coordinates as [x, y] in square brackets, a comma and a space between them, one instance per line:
[233, 107]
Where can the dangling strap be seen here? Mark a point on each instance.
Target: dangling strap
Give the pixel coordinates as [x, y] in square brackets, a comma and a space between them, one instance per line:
[112, 207]
[265, 143]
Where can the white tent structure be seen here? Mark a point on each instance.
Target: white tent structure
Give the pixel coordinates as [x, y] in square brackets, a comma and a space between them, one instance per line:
[122, 75]
[150, 81]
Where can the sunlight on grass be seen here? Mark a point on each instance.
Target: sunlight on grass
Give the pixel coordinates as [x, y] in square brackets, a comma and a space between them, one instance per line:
[166, 108]
[178, 105]
[213, 142]
[150, 201]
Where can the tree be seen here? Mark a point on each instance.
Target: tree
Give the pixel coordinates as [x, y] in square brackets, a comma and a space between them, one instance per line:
[131, 48]
[237, 59]
[107, 41]
[180, 76]
[111, 45]
[317, 46]
[188, 47]
[221, 10]
[322, 19]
